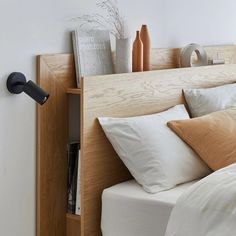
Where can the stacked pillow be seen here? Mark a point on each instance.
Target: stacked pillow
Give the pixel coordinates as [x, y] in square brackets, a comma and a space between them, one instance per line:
[212, 137]
[204, 101]
[158, 158]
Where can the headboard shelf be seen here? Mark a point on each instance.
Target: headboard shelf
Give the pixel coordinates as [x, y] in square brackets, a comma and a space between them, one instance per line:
[109, 95]
[73, 91]
[73, 225]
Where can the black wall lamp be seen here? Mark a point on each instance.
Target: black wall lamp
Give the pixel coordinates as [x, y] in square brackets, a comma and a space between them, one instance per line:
[16, 83]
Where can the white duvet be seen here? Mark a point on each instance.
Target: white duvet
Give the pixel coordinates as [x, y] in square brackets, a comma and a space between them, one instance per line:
[207, 208]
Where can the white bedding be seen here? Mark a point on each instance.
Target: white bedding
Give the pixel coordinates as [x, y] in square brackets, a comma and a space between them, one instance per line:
[127, 210]
[207, 208]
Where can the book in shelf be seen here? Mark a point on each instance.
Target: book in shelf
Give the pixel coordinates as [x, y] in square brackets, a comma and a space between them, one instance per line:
[92, 53]
[73, 182]
[78, 201]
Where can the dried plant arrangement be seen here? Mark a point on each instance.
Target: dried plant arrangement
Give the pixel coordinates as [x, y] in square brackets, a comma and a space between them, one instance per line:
[111, 20]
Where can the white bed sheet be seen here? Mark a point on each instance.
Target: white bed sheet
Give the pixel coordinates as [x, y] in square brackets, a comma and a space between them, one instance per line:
[127, 210]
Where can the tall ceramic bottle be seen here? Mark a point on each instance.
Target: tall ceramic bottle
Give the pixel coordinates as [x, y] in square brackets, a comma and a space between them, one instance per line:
[123, 55]
[137, 53]
[144, 34]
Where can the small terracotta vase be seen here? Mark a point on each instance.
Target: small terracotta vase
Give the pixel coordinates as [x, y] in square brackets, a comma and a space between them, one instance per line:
[137, 53]
[144, 34]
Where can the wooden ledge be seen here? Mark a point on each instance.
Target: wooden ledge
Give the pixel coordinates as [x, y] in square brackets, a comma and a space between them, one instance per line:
[74, 91]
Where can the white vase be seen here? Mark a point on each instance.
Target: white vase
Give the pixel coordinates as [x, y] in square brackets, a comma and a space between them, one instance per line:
[124, 55]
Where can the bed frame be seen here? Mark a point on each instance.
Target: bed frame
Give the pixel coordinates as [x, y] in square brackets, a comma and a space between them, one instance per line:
[111, 95]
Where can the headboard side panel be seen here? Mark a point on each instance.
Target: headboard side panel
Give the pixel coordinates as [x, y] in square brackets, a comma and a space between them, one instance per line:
[55, 75]
[122, 96]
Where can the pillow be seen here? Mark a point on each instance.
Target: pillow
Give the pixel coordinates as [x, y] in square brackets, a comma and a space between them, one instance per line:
[204, 101]
[156, 157]
[213, 137]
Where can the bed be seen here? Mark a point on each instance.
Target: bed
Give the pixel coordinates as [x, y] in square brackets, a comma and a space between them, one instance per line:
[127, 210]
[147, 146]
[122, 95]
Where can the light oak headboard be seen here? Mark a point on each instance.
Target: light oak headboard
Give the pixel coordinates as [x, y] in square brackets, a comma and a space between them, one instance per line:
[123, 96]
[112, 95]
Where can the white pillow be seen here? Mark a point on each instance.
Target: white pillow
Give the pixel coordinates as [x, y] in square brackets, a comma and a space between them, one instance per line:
[156, 157]
[205, 101]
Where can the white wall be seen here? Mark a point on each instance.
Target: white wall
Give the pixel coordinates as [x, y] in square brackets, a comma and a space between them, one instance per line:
[30, 27]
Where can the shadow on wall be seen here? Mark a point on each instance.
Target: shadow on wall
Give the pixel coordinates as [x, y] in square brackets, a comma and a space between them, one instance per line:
[4, 93]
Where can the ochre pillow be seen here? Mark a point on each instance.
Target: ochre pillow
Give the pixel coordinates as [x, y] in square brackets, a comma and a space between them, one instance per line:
[212, 137]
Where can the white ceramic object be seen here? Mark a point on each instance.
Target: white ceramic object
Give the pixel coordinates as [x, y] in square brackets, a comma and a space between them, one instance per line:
[186, 56]
[123, 55]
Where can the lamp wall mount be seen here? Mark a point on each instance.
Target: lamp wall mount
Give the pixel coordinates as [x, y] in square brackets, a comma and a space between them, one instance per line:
[17, 83]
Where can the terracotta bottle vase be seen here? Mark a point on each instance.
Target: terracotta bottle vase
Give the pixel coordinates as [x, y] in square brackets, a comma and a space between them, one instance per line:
[144, 34]
[137, 53]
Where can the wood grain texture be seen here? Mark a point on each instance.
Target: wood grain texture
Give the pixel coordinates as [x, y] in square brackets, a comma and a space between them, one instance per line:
[127, 95]
[73, 91]
[113, 95]
[55, 75]
[73, 225]
[169, 58]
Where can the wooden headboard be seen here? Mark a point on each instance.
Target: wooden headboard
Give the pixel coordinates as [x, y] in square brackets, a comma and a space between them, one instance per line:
[129, 95]
[111, 95]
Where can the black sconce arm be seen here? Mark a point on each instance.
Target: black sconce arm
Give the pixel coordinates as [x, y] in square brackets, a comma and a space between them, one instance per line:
[16, 84]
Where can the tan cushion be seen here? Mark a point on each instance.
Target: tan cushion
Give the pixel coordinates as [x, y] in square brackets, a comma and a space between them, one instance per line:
[213, 137]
